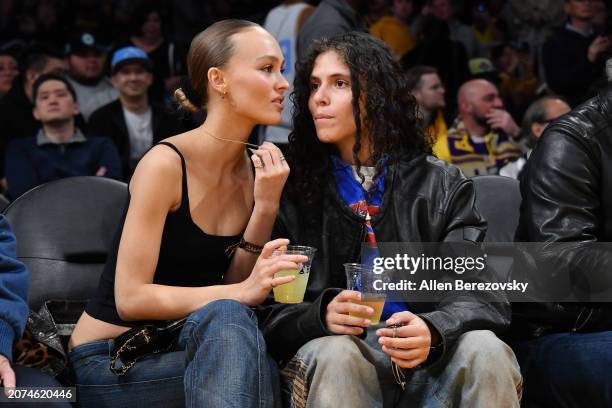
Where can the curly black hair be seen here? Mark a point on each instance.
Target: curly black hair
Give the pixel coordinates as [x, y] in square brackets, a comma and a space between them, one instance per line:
[390, 120]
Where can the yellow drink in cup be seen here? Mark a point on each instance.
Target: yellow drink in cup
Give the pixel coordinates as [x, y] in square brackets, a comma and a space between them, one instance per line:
[375, 302]
[293, 292]
[361, 278]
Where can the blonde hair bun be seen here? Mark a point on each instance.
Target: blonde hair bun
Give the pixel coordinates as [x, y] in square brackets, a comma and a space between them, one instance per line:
[182, 99]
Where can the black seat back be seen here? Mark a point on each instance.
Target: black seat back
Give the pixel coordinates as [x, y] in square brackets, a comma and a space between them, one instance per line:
[498, 199]
[64, 230]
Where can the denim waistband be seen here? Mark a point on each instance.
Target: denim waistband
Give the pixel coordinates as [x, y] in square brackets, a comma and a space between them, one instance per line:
[91, 349]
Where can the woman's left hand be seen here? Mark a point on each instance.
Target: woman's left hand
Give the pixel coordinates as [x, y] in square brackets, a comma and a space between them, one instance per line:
[271, 172]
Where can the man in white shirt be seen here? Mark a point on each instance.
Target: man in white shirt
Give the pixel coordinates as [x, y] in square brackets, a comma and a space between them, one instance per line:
[132, 121]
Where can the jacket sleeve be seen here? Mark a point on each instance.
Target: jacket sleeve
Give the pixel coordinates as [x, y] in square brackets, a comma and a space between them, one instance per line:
[458, 312]
[13, 291]
[287, 327]
[109, 158]
[99, 125]
[561, 188]
[19, 169]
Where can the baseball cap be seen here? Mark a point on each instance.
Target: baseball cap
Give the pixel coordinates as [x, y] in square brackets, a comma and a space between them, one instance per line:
[483, 68]
[84, 41]
[127, 55]
[480, 66]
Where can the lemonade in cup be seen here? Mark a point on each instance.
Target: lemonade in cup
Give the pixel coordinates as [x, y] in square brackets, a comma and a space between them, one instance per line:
[293, 292]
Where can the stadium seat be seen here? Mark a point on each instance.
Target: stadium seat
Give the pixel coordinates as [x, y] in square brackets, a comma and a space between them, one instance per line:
[64, 230]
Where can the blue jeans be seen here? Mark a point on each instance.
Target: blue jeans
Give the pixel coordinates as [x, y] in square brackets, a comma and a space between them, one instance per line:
[567, 369]
[220, 360]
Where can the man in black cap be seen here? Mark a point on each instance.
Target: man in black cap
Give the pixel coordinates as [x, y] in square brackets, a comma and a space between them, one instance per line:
[86, 58]
[133, 122]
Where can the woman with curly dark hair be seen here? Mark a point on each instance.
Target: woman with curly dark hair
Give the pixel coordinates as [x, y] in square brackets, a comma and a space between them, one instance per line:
[362, 173]
[388, 109]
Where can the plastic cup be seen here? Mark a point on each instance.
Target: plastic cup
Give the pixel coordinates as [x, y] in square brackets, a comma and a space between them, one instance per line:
[361, 278]
[293, 292]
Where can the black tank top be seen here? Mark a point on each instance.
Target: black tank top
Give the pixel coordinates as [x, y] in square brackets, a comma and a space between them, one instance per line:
[187, 257]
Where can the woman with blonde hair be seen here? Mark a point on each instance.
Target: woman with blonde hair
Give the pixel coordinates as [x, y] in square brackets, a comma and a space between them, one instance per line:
[191, 244]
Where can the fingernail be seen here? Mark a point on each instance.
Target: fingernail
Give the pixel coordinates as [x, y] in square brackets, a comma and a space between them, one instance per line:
[370, 310]
[252, 150]
[367, 321]
[381, 341]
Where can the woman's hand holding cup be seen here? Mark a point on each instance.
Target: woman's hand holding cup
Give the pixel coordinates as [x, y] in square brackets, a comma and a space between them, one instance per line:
[260, 282]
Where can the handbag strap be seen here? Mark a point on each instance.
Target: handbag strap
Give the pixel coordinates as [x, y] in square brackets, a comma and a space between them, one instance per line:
[129, 344]
[161, 340]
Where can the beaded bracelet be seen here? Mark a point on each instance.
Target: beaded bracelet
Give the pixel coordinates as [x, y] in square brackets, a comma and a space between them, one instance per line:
[246, 245]
[250, 247]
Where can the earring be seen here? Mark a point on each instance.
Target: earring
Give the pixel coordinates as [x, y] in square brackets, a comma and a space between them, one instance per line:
[224, 94]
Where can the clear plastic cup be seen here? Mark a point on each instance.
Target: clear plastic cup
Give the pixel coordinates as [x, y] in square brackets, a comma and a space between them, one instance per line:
[361, 278]
[293, 292]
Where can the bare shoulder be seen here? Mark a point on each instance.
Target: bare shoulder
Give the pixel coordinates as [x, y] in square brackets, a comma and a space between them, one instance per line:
[158, 177]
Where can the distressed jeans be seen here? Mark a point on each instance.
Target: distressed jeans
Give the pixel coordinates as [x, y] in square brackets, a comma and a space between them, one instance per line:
[345, 371]
[220, 360]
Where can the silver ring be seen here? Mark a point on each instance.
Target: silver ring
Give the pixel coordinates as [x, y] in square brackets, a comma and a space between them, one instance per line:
[394, 330]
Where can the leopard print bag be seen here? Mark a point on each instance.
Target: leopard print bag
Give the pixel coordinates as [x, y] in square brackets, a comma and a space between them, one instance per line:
[42, 345]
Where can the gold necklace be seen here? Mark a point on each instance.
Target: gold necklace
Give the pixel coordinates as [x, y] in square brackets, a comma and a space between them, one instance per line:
[230, 140]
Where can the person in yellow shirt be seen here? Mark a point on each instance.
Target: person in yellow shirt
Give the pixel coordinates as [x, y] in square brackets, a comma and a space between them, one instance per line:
[427, 88]
[483, 139]
[393, 29]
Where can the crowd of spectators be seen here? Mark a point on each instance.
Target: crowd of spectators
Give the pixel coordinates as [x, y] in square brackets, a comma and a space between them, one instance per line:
[522, 49]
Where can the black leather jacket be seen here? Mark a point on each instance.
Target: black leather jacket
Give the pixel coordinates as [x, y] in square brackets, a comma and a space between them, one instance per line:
[425, 200]
[566, 188]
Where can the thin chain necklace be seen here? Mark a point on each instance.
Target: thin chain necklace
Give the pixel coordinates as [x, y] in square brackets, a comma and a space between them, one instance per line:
[230, 140]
